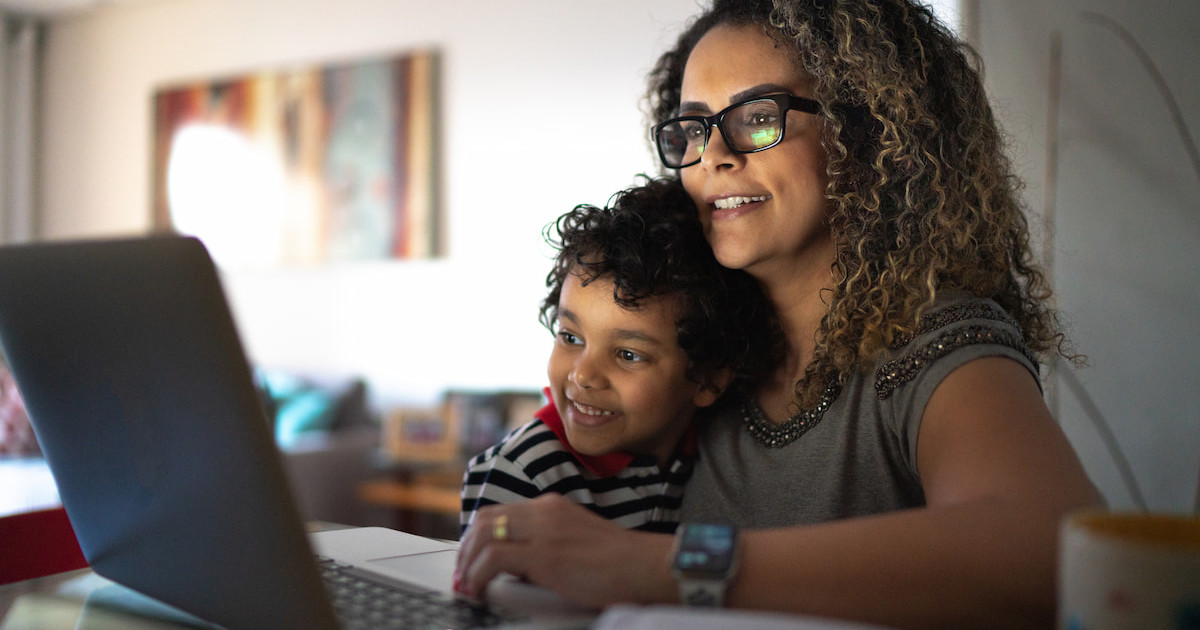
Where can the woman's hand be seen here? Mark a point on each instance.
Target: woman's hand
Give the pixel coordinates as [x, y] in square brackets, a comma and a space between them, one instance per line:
[560, 545]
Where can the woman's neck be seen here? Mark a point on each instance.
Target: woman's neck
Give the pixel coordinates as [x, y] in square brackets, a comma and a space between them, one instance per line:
[799, 299]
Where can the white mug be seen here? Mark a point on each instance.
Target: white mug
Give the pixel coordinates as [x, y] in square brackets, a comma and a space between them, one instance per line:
[1126, 570]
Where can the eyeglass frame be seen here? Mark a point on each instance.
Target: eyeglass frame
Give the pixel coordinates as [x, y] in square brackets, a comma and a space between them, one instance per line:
[786, 103]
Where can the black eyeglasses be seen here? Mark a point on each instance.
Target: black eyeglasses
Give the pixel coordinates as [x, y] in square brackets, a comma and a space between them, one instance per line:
[750, 126]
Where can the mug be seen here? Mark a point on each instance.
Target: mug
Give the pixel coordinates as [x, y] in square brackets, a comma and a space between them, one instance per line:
[1122, 570]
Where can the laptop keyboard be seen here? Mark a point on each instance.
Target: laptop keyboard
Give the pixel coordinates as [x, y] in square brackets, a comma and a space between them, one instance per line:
[365, 600]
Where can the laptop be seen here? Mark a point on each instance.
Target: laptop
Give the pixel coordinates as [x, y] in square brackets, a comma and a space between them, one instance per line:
[141, 396]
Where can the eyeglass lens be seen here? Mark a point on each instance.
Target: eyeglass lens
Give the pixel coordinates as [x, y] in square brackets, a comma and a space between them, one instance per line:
[748, 127]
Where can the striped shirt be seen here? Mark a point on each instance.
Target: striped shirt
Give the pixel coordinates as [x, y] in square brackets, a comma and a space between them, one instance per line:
[535, 459]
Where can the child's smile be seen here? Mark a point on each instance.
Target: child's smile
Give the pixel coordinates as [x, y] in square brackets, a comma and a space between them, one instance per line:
[587, 415]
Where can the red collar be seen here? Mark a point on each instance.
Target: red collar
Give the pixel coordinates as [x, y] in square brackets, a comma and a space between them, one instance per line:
[608, 464]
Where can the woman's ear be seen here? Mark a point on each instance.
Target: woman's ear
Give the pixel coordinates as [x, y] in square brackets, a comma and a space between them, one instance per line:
[712, 385]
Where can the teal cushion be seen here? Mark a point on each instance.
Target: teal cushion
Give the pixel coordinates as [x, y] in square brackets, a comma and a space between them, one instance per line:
[298, 407]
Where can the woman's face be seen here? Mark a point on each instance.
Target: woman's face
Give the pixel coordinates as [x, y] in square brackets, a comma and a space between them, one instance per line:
[762, 212]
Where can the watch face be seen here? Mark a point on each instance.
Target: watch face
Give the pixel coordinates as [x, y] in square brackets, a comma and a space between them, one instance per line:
[705, 548]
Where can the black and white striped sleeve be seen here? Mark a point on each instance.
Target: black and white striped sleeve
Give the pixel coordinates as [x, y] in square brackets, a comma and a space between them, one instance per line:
[500, 474]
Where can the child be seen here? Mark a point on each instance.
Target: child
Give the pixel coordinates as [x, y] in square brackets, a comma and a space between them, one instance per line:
[648, 329]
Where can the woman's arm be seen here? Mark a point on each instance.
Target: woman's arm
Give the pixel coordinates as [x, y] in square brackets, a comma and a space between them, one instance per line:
[556, 543]
[998, 475]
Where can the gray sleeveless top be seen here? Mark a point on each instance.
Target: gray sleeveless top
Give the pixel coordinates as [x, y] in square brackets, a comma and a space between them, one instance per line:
[859, 456]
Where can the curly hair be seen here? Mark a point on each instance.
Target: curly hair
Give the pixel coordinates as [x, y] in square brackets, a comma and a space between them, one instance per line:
[649, 242]
[922, 196]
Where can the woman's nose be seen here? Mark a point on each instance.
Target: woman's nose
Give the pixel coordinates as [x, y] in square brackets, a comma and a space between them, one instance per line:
[716, 151]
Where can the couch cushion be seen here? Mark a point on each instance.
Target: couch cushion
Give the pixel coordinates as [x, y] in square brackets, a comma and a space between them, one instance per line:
[300, 405]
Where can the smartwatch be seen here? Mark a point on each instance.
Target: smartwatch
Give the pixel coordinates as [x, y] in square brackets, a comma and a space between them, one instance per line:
[705, 560]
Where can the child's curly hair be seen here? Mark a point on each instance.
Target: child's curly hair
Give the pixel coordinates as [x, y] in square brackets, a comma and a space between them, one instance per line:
[922, 197]
[649, 242]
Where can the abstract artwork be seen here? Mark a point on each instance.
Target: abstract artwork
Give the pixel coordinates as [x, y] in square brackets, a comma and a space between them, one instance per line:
[309, 165]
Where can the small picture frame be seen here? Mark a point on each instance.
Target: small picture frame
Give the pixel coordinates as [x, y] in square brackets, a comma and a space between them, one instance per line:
[420, 434]
[482, 419]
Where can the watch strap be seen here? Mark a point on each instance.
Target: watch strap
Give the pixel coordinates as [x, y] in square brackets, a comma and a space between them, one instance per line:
[709, 593]
[705, 558]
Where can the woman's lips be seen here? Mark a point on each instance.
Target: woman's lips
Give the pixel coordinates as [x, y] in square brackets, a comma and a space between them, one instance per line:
[729, 203]
[732, 206]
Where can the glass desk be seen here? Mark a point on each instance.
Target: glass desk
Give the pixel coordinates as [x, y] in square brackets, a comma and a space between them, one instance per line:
[86, 601]
[79, 599]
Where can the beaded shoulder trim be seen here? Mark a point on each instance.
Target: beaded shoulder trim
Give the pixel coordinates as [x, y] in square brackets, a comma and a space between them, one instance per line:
[893, 374]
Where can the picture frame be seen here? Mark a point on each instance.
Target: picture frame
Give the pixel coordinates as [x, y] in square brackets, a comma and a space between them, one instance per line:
[305, 165]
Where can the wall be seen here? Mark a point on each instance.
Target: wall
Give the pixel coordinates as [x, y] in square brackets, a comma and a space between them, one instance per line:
[1102, 150]
[516, 75]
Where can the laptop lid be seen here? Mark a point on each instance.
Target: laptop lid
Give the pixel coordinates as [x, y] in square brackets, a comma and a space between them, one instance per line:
[142, 399]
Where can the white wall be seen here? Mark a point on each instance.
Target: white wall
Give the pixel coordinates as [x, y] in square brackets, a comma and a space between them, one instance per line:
[513, 74]
[1126, 222]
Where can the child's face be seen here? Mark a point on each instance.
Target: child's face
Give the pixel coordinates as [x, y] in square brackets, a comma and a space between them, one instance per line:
[618, 375]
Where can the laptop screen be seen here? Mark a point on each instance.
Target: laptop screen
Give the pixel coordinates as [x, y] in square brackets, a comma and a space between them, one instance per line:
[142, 399]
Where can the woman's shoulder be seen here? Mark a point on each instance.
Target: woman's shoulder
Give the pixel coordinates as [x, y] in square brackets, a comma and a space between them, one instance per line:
[960, 324]
[956, 307]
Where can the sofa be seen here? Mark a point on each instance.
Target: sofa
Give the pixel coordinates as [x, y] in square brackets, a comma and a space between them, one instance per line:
[326, 428]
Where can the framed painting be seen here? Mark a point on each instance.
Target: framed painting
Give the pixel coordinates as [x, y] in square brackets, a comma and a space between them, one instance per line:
[308, 165]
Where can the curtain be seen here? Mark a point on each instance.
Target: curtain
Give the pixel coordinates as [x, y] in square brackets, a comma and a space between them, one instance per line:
[18, 127]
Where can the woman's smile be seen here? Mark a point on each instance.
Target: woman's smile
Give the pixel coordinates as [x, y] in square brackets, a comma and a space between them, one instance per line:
[729, 203]
[731, 207]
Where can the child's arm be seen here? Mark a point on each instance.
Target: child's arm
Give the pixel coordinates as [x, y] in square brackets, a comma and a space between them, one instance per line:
[499, 475]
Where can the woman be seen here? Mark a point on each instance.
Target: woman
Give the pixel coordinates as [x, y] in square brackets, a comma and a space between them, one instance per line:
[902, 467]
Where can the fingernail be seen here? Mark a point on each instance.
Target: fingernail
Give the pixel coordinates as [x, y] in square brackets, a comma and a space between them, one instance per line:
[459, 585]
